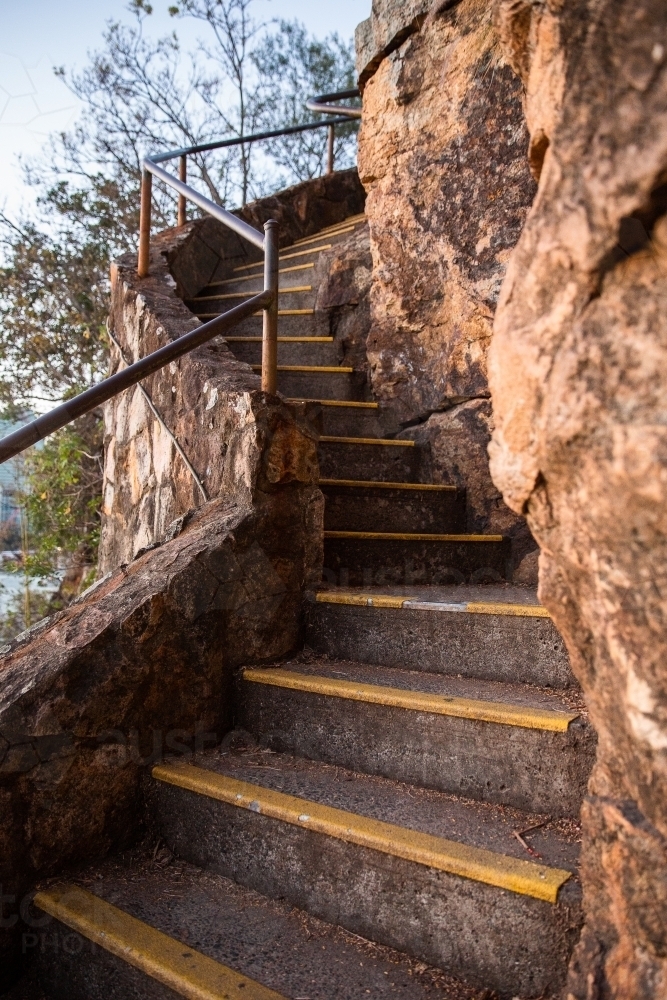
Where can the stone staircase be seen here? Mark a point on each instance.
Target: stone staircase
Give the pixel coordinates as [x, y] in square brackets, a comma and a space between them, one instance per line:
[400, 798]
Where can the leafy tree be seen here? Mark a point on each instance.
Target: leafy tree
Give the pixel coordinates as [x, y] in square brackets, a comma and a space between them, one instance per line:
[292, 66]
[139, 94]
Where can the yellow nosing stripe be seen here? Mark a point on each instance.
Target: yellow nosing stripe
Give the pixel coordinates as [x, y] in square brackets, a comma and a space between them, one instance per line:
[310, 368]
[520, 610]
[356, 599]
[397, 536]
[249, 295]
[361, 600]
[281, 340]
[288, 256]
[187, 972]
[335, 402]
[256, 277]
[500, 713]
[385, 486]
[281, 312]
[523, 877]
[325, 234]
[382, 441]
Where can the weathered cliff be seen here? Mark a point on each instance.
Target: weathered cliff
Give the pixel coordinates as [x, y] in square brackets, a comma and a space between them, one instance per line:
[578, 368]
[442, 154]
[198, 429]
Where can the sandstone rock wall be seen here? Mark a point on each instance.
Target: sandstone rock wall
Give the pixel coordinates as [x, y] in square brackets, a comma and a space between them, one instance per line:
[207, 431]
[442, 155]
[138, 667]
[578, 370]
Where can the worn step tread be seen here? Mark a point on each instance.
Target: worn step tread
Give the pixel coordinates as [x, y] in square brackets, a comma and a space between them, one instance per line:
[414, 698]
[398, 536]
[302, 793]
[286, 290]
[364, 484]
[527, 696]
[257, 277]
[268, 940]
[337, 402]
[387, 442]
[281, 312]
[185, 970]
[282, 340]
[286, 256]
[318, 369]
[422, 601]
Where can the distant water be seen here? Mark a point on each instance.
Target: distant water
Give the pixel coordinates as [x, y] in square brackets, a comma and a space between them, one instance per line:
[12, 584]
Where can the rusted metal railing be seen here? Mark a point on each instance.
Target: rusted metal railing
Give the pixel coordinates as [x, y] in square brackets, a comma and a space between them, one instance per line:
[267, 300]
[323, 105]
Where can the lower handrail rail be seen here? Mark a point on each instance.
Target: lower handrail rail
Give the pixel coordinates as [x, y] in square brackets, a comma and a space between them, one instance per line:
[91, 398]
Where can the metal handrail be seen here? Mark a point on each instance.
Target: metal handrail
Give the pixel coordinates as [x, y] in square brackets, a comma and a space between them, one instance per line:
[322, 106]
[267, 300]
[109, 387]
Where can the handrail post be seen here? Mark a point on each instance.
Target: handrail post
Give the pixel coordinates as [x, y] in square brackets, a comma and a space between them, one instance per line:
[143, 262]
[331, 138]
[182, 176]
[270, 331]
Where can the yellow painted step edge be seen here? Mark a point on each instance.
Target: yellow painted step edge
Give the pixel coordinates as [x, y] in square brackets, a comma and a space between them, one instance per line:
[387, 486]
[327, 234]
[248, 295]
[523, 717]
[180, 968]
[288, 256]
[390, 442]
[333, 402]
[395, 601]
[256, 277]
[281, 312]
[523, 877]
[397, 536]
[310, 368]
[281, 340]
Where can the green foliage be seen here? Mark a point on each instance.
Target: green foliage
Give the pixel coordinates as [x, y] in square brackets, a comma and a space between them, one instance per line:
[293, 65]
[24, 609]
[139, 94]
[61, 498]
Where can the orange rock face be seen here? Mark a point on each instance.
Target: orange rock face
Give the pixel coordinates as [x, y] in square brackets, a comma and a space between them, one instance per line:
[578, 369]
[442, 155]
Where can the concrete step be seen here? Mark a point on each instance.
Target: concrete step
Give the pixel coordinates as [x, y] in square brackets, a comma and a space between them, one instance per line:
[272, 949]
[368, 459]
[491, 633]
[328, 382]
[121, 955]
[291, 323]
[340, 418]
[443, 879]
[291, 296]
[501, 743]
[368, 506]
[360, 558]
[254, 282]
[311, 351]
[343, 418]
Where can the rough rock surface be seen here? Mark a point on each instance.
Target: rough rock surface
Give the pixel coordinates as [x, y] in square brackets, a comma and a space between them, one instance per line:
[578, 369]
[442, 154]
[139, 666]
[458, 441]
[209, 403]
[342, 308]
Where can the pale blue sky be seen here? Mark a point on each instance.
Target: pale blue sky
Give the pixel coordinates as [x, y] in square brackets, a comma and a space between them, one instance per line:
[36, 35]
